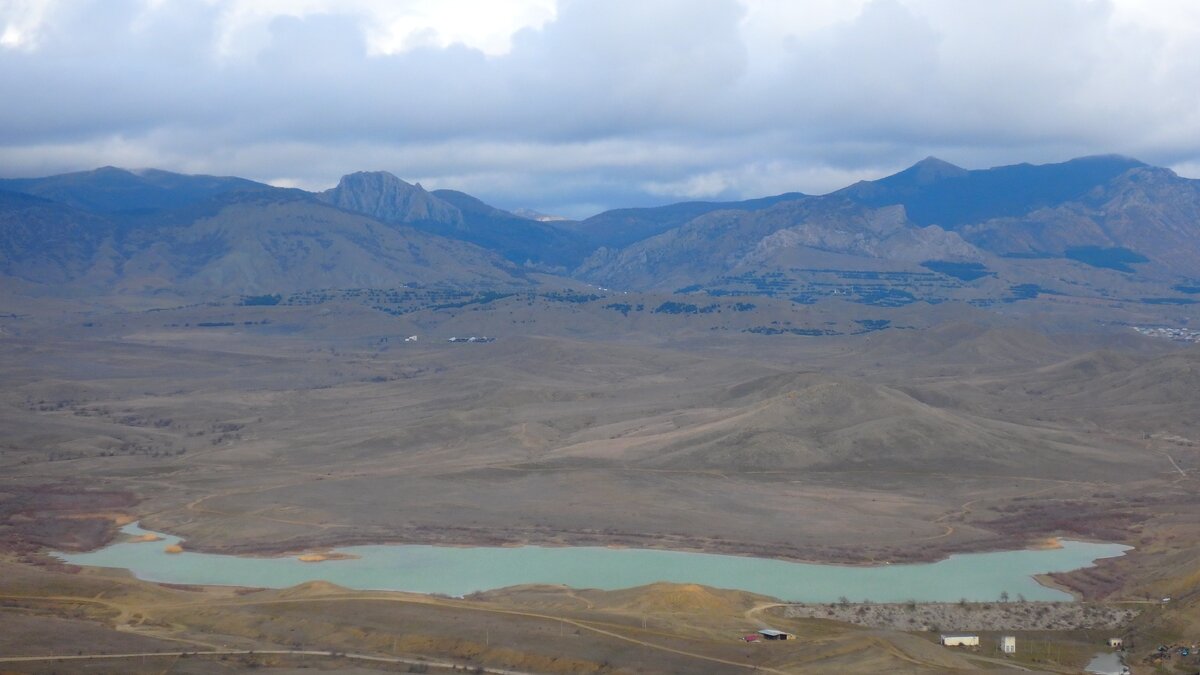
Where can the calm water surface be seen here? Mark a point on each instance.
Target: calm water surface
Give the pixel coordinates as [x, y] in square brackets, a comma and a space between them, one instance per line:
[459, 571]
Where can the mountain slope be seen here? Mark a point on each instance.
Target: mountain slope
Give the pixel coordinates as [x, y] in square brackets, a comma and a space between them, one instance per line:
[519, 239]
[47, 242]
[1146, 211]
[621, 227]
[724, 242]
[273, 245]
[243, 243]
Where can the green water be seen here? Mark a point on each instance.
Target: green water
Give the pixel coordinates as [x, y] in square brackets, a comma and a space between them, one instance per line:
[459, 571]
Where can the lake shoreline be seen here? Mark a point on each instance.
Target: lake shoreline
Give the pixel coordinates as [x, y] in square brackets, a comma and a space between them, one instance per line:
[458, 570]
[815, 555]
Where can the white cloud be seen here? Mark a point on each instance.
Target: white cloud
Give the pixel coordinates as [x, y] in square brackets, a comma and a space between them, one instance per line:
[21, 22]
[764, 178]
[537, 103]
[390, 26]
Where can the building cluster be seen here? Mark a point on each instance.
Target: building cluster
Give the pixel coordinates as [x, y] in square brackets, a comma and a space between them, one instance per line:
[1007, 644]
[473, 338]
[1176, 334]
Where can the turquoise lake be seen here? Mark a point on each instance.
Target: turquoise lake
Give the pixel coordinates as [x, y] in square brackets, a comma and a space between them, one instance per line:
[459, 571]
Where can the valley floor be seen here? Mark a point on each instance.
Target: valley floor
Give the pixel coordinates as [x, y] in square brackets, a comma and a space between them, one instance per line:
[839, 450]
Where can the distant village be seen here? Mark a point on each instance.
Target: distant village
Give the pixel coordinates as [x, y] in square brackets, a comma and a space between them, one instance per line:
[472, 338]
[1176, 334]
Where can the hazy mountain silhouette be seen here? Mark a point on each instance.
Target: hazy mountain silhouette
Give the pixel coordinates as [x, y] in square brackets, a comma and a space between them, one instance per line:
[112, 190]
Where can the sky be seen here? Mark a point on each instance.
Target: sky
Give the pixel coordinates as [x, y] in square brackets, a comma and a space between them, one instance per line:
[571, 106]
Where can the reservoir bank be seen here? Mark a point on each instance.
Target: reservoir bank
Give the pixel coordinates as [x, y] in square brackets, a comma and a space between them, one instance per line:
[458, 571]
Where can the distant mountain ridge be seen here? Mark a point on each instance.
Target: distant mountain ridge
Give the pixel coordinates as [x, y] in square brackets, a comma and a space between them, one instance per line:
[1008, 233]
[111, 190]
[219, 241]
[935, 192]
[1106, 211]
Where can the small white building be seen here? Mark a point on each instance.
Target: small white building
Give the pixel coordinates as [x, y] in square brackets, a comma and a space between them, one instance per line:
[1008, 644]
[959, 640]
[1116, 642]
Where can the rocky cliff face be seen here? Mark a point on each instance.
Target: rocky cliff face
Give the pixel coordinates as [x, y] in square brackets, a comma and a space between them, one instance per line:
[388, 199]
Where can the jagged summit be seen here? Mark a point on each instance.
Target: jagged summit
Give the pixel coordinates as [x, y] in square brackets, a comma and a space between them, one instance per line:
[382, 195]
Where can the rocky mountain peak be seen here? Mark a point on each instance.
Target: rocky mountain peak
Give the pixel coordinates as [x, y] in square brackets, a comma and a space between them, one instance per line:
[385, 197]
[932, 169]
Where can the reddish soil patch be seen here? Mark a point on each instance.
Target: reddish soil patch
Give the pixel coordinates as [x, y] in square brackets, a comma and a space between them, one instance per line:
[60, 516]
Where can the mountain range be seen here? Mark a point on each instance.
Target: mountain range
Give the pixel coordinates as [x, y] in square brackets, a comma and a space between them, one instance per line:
[935, 231]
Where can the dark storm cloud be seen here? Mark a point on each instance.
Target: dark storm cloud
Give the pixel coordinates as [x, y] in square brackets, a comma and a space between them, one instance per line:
[610, 102]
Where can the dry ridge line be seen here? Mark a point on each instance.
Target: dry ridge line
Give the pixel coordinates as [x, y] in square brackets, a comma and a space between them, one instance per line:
[272, 652]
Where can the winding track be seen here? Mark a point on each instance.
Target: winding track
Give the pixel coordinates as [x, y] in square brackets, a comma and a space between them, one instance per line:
[591, 626]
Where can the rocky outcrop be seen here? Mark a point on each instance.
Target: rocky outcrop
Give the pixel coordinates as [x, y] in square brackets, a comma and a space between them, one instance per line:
[386, 198]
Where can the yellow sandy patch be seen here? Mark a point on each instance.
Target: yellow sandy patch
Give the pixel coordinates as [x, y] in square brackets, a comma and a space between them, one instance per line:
[1046, 544]
[149, 536]
[117, 518]
[173, 548]
[322, 557]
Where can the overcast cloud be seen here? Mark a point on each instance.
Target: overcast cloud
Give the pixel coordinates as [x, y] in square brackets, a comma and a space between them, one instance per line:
[576, 106]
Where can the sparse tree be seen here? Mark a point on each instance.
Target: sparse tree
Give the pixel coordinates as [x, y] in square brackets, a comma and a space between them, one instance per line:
[1003, 596]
